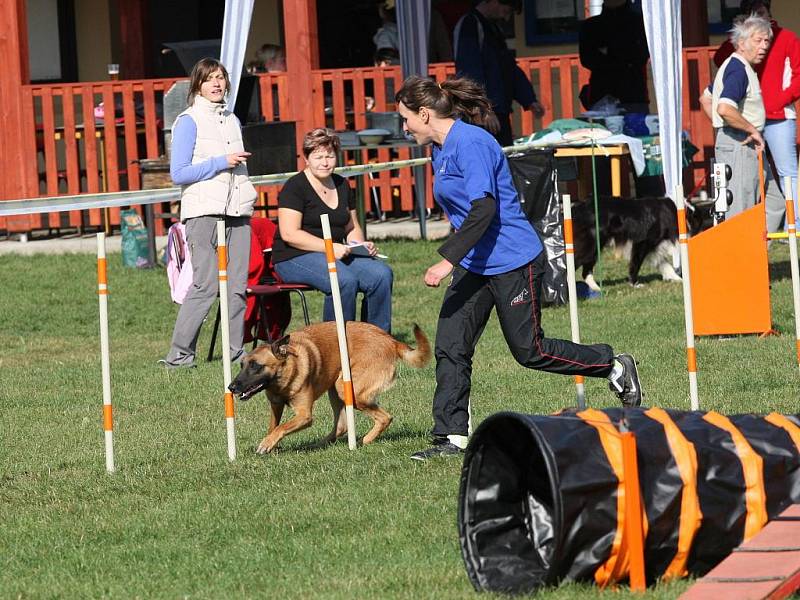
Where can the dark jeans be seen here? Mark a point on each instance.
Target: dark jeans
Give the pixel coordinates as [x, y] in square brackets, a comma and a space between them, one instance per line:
[371, 276]
[465, 310]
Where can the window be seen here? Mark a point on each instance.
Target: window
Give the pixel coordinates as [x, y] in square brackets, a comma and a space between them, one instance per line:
[558, 21]
[552, 21]
[721, 14]
[51, 40]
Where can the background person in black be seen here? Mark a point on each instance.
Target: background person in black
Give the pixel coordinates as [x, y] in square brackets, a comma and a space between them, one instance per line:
[298, 251]
[613, 46]
[482, 55]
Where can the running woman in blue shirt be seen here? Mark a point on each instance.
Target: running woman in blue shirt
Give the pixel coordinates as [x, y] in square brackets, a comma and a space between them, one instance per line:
[495, 259]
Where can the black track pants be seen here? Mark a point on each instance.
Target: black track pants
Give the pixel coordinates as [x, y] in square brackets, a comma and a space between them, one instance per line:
[465, 310]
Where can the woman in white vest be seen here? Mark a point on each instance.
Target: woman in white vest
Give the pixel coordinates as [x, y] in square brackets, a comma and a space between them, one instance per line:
[208, 161]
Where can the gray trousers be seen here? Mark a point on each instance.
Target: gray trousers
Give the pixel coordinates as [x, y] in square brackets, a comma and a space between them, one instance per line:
[776, 203]
[201, 235]
[743, 161]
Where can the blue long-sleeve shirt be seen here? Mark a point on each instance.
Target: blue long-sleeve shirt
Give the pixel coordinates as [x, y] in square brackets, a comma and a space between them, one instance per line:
[181, 169]
[482, 55]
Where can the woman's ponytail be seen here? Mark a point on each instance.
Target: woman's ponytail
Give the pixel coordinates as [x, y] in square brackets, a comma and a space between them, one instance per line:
[469, 100]
[457, 98]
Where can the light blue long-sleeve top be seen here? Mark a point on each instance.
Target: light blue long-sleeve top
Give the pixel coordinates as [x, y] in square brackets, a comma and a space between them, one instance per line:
[181, 169]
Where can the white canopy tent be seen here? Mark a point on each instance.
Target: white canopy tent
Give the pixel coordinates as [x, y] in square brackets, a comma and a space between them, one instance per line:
[662, 21]
[235, 29]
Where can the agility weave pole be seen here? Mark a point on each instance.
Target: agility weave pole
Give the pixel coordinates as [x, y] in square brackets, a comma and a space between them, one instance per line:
[347, 382]
[569, 248]
[102, 296]
[222, 265]
[691, 354]
[791, 230]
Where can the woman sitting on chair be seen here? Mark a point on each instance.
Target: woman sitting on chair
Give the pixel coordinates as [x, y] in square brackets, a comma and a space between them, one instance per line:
[298, 251]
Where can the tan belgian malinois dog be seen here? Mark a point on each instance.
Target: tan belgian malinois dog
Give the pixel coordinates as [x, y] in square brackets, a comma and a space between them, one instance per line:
[297, 369]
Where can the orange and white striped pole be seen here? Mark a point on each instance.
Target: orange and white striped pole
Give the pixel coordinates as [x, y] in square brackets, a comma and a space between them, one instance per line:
[347, 382]
[569, 246]
[691, 354]
[222, 266]
[791, 229]
[105, 363]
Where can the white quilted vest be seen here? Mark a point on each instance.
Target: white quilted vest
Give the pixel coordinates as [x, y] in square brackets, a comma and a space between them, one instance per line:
[229, 192]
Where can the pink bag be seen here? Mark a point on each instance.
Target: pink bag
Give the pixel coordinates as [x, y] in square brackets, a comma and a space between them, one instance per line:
[179, 263]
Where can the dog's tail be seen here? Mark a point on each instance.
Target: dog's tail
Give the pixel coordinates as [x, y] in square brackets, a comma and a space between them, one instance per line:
[416, 357]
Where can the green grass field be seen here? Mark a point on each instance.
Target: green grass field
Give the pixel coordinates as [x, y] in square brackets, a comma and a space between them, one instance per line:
[179, 521]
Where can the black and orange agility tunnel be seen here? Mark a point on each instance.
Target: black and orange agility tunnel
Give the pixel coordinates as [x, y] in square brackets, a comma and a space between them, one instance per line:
[542, 497]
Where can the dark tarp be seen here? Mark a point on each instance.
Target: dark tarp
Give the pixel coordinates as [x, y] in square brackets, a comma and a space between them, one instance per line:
[534, 175]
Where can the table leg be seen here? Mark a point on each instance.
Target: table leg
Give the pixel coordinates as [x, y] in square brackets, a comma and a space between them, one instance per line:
[616, 177]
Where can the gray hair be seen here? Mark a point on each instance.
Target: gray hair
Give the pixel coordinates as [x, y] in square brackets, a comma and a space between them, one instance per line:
[743, 28]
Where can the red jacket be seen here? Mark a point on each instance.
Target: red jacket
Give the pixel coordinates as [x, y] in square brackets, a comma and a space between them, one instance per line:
[782, 62]
[279, 307]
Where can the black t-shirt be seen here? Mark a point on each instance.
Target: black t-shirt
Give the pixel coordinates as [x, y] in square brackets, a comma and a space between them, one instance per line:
[298, 195]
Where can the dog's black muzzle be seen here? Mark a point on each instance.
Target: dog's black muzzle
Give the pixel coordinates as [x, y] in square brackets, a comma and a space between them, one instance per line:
[247, 389]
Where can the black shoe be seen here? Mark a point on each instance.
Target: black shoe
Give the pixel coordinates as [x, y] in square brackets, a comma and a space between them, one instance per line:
[627, 386]
[439, 448]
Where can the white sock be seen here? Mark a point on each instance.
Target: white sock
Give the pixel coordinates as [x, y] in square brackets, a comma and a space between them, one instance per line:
[458, 440]
[615, 377]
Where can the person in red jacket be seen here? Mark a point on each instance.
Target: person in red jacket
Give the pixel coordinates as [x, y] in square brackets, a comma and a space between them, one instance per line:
[779, 76]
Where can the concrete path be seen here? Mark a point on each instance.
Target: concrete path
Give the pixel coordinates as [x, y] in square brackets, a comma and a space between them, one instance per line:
[74, 244]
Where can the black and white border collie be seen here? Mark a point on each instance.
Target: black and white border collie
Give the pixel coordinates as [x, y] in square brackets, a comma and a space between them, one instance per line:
[638, 227]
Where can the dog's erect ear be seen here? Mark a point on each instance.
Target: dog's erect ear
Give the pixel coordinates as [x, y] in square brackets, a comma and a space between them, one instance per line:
[280, 348]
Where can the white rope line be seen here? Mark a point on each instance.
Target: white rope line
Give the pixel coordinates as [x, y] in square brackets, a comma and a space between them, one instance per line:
[49, 204]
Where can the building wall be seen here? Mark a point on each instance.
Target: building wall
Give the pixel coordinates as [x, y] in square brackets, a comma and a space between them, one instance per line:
[786, 13]
[93, 34]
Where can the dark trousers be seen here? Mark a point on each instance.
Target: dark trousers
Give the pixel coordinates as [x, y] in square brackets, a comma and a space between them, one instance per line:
[505, 136]
[465, 310]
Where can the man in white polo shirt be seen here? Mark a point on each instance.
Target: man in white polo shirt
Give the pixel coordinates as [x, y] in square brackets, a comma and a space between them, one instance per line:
[736, 109]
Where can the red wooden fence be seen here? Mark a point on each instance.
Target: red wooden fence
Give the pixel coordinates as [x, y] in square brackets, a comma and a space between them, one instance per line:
[78, 153]
[82, 150]
[698, 72]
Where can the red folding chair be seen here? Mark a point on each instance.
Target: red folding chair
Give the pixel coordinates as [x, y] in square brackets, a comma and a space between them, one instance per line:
[268, 306]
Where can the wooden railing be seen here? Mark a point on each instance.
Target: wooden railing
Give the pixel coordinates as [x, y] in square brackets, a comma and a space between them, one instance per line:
[77, 153]
[698, 72]
[88, 139]
[342, 98]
